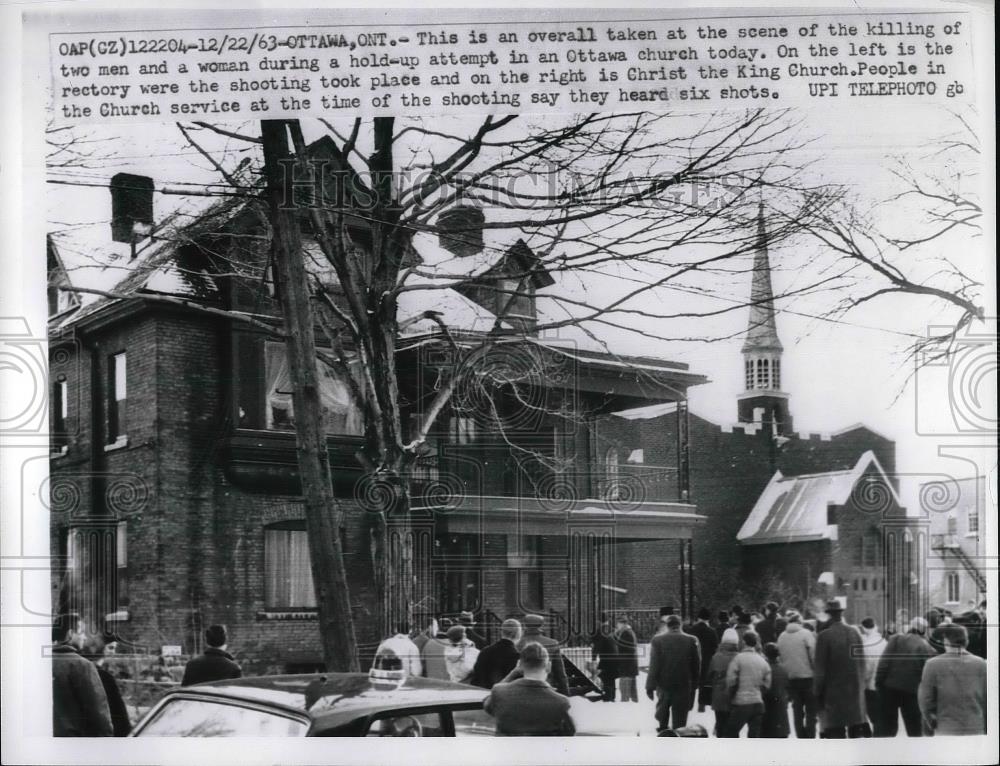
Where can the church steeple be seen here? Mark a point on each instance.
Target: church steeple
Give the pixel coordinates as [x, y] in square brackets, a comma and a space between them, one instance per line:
[763, 400]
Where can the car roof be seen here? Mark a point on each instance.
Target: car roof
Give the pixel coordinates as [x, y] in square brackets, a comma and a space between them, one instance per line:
[334, 699]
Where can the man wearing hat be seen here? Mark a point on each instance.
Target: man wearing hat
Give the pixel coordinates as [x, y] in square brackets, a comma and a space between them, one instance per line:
[674, 671]
[468, 621]
[215, 663]
[533, 635]
[839, 677]
[708, 641]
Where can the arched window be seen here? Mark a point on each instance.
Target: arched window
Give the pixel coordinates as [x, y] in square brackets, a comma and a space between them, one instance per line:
[749, 373]
[776, 375]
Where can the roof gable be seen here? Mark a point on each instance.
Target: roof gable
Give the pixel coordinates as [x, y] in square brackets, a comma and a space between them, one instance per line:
[794, 509]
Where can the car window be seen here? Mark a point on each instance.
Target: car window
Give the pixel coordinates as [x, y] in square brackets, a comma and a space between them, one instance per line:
[184, 717]
[474, 723]
[408, 725]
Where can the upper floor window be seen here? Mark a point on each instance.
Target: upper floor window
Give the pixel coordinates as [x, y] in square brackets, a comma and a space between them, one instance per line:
[463, 429]
[341, 415]
[60, 412]
[60, 300]
[973, 521]
[117, 397]
[749, 373]
[776, 375]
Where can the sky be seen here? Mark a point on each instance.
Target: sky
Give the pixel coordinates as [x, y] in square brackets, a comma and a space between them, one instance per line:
[837, 373]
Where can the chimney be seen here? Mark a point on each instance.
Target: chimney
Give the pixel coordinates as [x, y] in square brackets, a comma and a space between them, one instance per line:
[131, 207]
[460, 230]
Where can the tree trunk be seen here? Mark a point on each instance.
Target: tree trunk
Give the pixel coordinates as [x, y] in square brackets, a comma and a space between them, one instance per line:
[322, 516]
[392, 550]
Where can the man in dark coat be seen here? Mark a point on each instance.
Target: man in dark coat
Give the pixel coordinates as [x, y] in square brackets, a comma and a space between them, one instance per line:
[94, 652]
[497, 660]
[897, 678]
[839, 678]
[708, 642]
[528, 706]
[674, 670]
[628, 659]
[605, 649]
[767, 628]
[775, 724]
[79, 703]
[533, 634]
[722, 624]
[215, 664]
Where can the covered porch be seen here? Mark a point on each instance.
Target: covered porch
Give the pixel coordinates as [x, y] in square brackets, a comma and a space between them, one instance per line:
[559, 556]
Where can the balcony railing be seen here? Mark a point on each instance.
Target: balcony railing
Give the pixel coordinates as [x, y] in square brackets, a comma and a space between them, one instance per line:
[944, 542]
[500, 470]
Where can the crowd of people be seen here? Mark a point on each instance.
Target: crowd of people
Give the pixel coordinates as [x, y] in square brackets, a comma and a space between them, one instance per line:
[841, 681]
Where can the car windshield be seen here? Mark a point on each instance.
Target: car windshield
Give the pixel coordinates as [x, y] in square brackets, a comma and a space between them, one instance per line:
[185, 717]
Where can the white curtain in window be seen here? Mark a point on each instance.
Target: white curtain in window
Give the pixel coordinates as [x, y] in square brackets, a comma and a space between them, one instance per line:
[288, 577]
[340, 415]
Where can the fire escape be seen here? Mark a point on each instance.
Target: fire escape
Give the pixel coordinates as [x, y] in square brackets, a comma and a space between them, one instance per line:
[949, 544]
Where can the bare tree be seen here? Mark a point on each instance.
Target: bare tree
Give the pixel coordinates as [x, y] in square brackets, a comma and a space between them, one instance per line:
[632, 203]
[939, 201]
[623, 211]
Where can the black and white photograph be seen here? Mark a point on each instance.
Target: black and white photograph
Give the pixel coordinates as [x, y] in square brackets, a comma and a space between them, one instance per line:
[516, 372]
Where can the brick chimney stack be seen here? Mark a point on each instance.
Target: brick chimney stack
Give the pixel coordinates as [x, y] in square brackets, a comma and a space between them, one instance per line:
[460, 230]
[131, 207]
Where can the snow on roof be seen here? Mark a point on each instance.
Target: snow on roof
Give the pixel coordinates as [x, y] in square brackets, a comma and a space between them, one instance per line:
[99, 263]
[452, 308]
[444, 267]
[648, 412]
[614, 361]
[794, 509]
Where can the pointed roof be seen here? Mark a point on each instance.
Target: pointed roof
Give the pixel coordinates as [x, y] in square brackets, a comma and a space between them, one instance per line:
[793, 509]
[762, 331]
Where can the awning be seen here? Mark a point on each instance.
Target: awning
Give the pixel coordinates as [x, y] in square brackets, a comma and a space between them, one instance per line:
[626, 520]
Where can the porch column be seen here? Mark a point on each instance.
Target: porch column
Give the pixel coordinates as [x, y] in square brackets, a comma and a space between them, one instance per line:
[683, 453]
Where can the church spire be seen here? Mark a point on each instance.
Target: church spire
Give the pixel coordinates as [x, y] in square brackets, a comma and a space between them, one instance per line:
[762, 331]
[763, 401]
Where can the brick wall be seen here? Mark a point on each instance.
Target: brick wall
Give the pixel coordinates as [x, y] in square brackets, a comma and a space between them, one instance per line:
[728, 471]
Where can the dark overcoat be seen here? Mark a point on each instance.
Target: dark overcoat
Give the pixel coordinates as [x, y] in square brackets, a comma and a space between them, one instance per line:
[839, 676]
[214, 665]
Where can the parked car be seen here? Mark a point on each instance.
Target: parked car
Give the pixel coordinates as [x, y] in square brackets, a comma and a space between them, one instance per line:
[376, 704]
[315, 705]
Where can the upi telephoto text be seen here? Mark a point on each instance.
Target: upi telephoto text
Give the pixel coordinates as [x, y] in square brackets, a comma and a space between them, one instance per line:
[528, 66]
